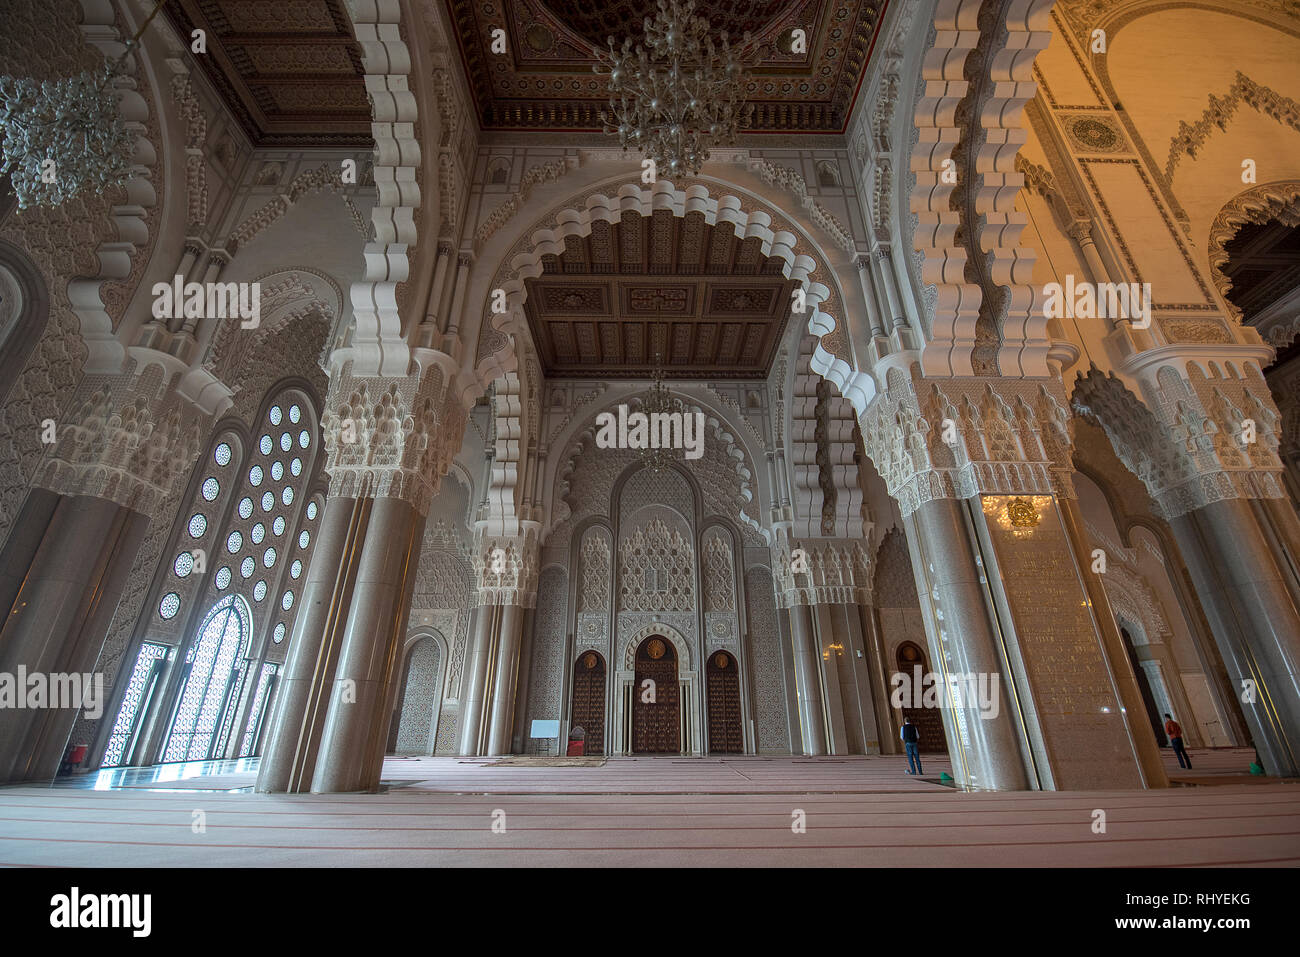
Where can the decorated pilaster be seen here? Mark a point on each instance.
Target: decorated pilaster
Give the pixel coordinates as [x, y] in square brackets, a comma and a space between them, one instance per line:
[1204, 439]
[1036, 691]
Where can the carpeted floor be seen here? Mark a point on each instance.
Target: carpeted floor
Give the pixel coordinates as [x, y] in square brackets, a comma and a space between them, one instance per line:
[676, 812]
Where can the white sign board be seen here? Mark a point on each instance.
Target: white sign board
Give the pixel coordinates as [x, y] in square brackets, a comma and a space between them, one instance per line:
[545, 729]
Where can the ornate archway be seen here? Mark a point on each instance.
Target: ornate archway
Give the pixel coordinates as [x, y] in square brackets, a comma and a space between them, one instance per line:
[589, 701]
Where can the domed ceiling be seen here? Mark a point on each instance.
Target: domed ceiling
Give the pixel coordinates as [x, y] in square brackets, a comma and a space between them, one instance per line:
[544, 80]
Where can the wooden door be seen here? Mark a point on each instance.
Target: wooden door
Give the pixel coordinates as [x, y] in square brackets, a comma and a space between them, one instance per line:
[656, 715]
[723, 688]
[589, 700]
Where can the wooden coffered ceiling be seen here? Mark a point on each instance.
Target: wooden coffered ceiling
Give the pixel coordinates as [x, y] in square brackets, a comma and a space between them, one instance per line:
[708, 304]
[544, 80]
[289, 70]
[1263, 264]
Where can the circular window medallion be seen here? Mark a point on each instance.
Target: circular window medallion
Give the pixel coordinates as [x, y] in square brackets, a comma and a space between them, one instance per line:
[655, 649]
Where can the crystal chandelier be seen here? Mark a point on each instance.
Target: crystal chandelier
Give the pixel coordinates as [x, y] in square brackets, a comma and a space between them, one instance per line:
[658, 399]
[677, 93]
[63, 136]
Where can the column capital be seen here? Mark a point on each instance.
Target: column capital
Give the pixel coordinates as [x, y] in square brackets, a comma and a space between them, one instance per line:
[937, 438]
[1196, 440]
[392, 437]
[121, 444]
[506, 568]
[821, 571]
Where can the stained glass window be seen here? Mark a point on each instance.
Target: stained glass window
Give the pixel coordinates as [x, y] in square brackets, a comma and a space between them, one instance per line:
[287, 601]
[198, 525]
[278, 635]
[169, 606]
[286, 442]
[265, 445]
[234, 542]
[311, 511]
[207, 691]
[255, 476]
[275, 415]
[295, 570]
[211, 488]
[223, 578]
[303, 539]
[245, 507]
[268, 501]
[295, 467]
[304, 439]
[183, 565]
[257, 712]
[277, 470]
[139, 689]
[268, 557]
[221, 455]
[246, 567]
[259, 591]
[257, 533]
[287, 495]
[295, 414]
[278, 525]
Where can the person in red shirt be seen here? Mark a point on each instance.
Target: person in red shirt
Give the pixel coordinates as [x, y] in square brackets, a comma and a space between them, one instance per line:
[1175, 732]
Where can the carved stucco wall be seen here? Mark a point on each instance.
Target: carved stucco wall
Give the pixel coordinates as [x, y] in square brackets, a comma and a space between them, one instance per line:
[896, 599]
[420, 699]
[768, 681]
[548, 663]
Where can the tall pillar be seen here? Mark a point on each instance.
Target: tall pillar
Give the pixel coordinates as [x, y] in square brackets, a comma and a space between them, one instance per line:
[519, 739]
[505, 686]
[1255, 622]
[57, 624]
[986, 750]
[474, 684]
[356, 726]
[807, 676]
[1029, 696]
[289, 759]
[1218, 482]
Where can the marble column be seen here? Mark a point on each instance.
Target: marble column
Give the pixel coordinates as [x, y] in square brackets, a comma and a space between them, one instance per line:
[58, 620]
[807, 672]
[987, 752]
[1254, 619]
[505, 686]
[475, 682]
[1140, 733]
[289, 759]
[356, 725]
[519, 740]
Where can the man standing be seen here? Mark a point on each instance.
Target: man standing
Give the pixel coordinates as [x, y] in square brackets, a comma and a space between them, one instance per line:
[912, 742]
[1175, 732]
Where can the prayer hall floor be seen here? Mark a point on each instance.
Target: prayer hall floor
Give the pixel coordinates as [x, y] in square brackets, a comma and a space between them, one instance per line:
[649, 811]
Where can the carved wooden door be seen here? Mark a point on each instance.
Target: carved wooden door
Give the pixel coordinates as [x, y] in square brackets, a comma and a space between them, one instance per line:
[723, 688]
[928, 721]
[656, 716]
[589, 700]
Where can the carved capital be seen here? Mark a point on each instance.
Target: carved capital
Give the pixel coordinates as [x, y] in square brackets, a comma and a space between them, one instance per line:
[391, 438]
[1196, 440]
[954, 438]
[506, 569]
[123, 445]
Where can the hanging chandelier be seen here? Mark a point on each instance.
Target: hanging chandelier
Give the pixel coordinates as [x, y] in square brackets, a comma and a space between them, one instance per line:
[65, 136]
[677, 93]
[658, 400]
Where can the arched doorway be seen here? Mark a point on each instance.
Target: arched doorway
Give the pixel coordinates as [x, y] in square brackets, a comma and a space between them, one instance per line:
[929, 721]
[656, 716]
[210, 690]
[722, 685]
[415, 727]
[1144, 687]
[589, 700]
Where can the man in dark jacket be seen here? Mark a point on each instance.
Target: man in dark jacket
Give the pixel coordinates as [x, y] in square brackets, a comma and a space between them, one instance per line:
[912, 742]
[1175, 732]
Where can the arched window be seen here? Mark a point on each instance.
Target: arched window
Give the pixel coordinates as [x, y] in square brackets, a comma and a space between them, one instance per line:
[208, 700]
[247, 532]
